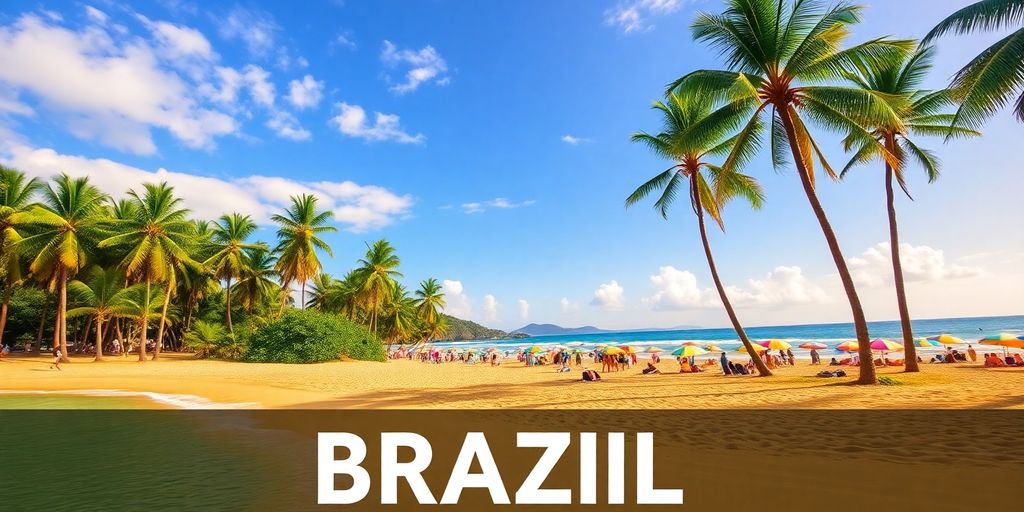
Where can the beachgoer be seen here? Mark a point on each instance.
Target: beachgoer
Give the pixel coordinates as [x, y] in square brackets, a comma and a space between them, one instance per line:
[684, 365]
[789, 354]
[650, 369]
[726, 366]
[833, 362]
[815, 358]
[971, 353]
[56, 358]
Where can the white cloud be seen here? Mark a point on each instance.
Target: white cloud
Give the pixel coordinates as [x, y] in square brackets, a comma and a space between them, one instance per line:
[179, 43]
[457, 303]
[106, 90]
[500, 203]
[358, 207]
[261, 89]
[573, 140]
[782, 286]
[305, 93]
[256, 29]
[344, 40]
[568, 306]
[490, 308]
[425, 65]
[609, 296]
[524, 309]
[96, 16]
[632, 16]
[286, 126]
[920, 263]
[676, 289]
[351, 120]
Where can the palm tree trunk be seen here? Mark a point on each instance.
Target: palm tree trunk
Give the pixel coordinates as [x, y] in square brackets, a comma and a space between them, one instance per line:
[62, 311]
[163, 322]
[910, 352]
[860, 324]
[3, 313]
[99, 339]
[42, 324]
[762, 369]
[144, 324]
[227, 301]
[303, 295]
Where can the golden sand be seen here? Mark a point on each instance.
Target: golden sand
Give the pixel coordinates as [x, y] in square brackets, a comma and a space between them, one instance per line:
[408, 384]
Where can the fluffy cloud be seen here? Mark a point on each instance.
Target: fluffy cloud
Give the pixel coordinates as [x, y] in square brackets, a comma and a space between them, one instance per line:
[490, 308]
[782, 286]
[609, 296]
[424, 65]
[632, 16]
[305, 93]
[921, 263]
[676, 289]
[286, 126]
[358, 207]
[458, 304]
[573, 140]
[568, 306]
[351, 120]
[256, 29]
[110, 91]
[500, 203]
[95, 15]
[524, 309]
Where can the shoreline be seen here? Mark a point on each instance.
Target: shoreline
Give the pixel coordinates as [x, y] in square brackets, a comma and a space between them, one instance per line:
[403, 384]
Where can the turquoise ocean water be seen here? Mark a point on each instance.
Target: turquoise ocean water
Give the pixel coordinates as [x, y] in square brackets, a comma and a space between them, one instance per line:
[970, 329]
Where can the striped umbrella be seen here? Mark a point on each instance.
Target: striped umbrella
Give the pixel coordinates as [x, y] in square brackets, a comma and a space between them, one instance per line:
[813, 346]
[848, 346]
[775, 344]
[535, 349]
[947, 339]
[884, 345]
[927, 342]
[1003, 340]
[689, 351]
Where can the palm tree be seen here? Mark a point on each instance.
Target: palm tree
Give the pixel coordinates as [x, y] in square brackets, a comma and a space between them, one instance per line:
[919, 112]
[298, 240]
[229, 236]
[103, 297]
[61, 233]
[778, 52]
[992, 78]
[377, 272]
[697, 127]
[205, 339]
[258, 280]
[324, 292]
[399, 314]
[157, 236]
[16, 193]
[346, 294]
[429, 303]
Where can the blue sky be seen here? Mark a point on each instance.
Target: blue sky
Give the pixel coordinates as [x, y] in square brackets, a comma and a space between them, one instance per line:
[488, 141]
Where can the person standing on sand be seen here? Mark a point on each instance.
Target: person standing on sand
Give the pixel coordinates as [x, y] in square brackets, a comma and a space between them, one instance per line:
[56, 358]
[725, 364]
[815, 358]
[789, 354]
[971, 353]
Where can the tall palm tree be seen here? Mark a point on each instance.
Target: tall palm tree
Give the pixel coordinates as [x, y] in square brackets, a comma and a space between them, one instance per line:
[157, 237]
[429, 303]
[103, 297]
[195, 283]
[324, 292]
[992, 78]
[919, 113]
[298, 239]
[346, 294]
[695, 128]
[16, 196]
[60, 236]
[377, 271]
[778, 53]
[399, 315]
[258, 280]
[229, 236]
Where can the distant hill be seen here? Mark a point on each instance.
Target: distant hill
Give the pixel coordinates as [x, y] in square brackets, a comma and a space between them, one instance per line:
[551, 329]
[460, 330]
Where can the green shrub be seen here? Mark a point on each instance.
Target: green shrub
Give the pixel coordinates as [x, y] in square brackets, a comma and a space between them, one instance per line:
[308, 336]
[885, 380]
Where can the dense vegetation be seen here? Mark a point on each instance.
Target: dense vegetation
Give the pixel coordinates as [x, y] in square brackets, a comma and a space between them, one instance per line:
[312, 337]
[459, 329]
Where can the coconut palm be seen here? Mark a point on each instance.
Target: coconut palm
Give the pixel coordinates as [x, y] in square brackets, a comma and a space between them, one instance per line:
[696, 127]
[16, 196]
[103, 297]
[205, 339]
[298, 240]
[778, 53]
[992, 78]
[157, 238]
[919, 113]
[229, 237]
[258, 280]
[398, 313]
[59, 236]
[377, 273]
[429, 303]
[324, 292]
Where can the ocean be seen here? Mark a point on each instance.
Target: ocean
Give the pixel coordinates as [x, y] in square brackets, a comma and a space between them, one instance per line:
[970, 329]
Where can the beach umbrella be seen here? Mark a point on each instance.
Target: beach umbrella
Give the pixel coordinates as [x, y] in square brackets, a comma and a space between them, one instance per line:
[927, 342]
[813, 346]
[691, 343]
[711, 347]
[775, 344]
[1003, 340]
[688, 351]
[884, 345]
[614, 351]
[947, 339]
[534, 349]
[628, 348]
[757, 348]
[848, 346]
[655, 349]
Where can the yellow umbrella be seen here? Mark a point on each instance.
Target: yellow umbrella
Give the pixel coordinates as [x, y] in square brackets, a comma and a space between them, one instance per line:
[775, 344]
[711, 347]
[1003, 340]
[947, 339]
[655, 349]
[848, 346]
[628, 348]
[689, 351]
[757, 348]
[614, 351]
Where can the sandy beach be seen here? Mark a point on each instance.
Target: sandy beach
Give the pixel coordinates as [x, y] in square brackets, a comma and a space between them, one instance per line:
[415, 385]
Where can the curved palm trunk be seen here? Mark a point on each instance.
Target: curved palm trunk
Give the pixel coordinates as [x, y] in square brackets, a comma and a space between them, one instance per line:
[3, 313]
[99, 339]
[227, 302]
[144, 325]
[42, 325]
[163, 323]
[62, 323]
[860, 324]
[910, 361]
[762, 369]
